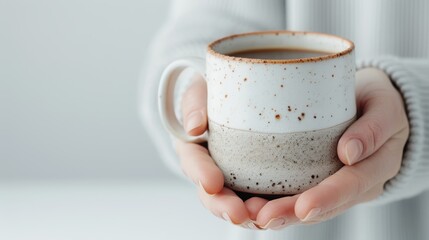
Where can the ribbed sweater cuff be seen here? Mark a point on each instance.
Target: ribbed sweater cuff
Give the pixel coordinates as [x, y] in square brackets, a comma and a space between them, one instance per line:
[413, 177]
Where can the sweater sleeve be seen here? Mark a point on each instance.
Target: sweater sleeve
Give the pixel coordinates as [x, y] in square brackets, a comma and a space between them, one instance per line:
[190, 26]
[411, 78]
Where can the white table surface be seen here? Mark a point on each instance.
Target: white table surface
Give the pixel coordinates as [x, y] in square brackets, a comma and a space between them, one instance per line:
[126, 210]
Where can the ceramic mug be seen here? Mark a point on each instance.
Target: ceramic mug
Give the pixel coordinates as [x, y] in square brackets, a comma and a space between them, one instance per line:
[274, 124]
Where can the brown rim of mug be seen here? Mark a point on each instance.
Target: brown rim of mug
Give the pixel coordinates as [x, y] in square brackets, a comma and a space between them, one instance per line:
[211, 51]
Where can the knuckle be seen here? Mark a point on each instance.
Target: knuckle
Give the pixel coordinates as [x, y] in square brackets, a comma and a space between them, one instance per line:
[189, 95]
[189, 104]
[378, 190]
[194, 94]
[372, 194]
[396, 167]
[395, 150]
[375, 134]
[358, 181]
[406, 130]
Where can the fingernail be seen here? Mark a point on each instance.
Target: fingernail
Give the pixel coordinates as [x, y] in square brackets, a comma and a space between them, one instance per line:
[194, 120]
[354, 150]
[249, 224]
[275, 223]
[312, 214]
[202, 187]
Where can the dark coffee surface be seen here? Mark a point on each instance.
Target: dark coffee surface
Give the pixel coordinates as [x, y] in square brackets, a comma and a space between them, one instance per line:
[278, 53]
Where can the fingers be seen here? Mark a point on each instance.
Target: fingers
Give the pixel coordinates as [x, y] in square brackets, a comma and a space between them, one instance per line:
[222, 202]
[194, 107]
[199, 167]
[278, 213]
[367, 196]
[254, 205]
[227, 205]
[383, 116]
[351, 181]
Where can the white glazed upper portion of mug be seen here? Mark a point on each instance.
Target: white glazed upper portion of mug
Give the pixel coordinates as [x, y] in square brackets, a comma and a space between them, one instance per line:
[281, 97]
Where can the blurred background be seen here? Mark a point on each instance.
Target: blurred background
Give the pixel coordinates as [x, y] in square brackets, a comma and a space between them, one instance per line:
[75, 161]
[69, 72]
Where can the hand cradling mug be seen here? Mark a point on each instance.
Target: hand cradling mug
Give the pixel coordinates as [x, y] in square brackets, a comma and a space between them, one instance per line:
[278, 102]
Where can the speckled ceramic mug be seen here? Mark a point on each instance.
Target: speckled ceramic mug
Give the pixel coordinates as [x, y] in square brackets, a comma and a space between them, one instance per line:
[274, 124]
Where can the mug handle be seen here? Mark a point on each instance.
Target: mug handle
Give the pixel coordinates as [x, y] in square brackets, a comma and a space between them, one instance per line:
[166, 97]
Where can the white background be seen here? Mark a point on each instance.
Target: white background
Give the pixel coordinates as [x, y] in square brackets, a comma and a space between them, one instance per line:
[68, 88]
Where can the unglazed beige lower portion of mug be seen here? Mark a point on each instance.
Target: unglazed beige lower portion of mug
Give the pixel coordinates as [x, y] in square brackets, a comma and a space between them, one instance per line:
[265, 163]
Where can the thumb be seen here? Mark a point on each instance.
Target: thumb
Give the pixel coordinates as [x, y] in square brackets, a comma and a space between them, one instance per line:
[381, 107]
[194, 107]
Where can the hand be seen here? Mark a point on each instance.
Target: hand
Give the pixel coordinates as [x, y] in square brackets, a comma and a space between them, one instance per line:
[199, 166]
[371, 149]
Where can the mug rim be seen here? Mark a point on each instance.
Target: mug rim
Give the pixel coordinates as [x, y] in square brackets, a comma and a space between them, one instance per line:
[210, 48]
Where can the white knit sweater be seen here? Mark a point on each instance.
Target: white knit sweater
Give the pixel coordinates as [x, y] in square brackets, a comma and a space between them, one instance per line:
[392, 35]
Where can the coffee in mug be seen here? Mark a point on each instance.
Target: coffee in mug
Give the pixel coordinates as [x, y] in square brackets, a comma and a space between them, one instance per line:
[278, 53]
